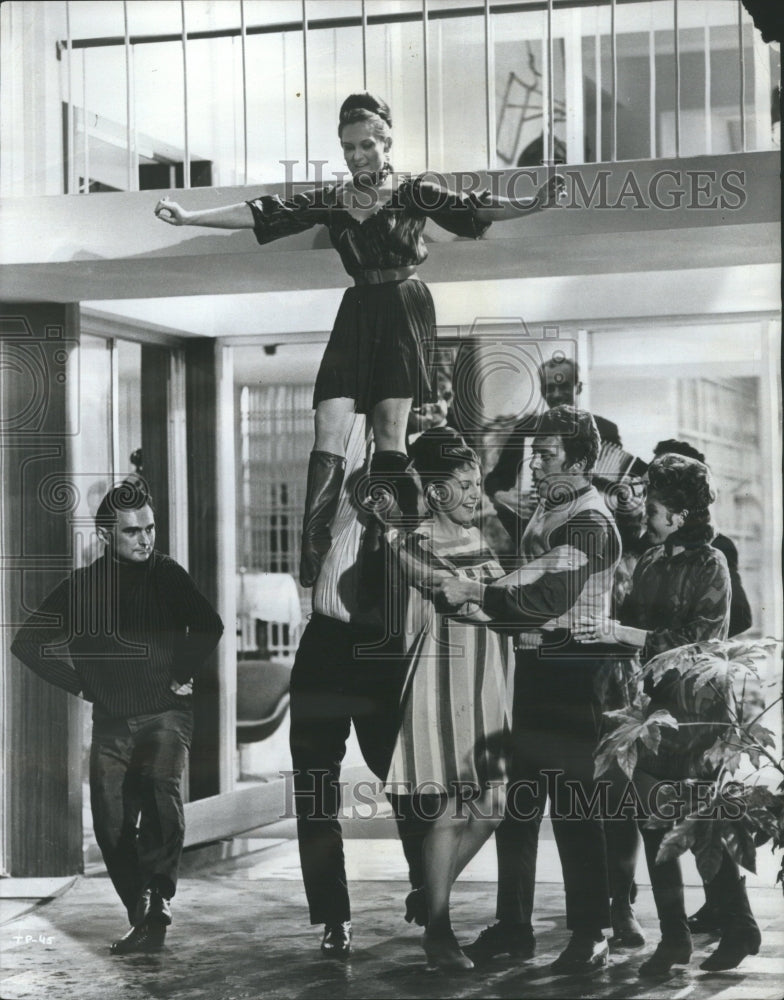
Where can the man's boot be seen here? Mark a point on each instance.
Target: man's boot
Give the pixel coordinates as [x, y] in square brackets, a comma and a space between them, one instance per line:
[325, 479]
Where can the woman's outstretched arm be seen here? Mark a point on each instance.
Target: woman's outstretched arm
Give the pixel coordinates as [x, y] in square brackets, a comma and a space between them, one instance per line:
[225, 217]
[496, 208]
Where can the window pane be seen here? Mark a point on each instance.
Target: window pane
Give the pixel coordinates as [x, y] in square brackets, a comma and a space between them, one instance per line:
[215, 119]
[334, 72]
[395, 61]
[276, 106]
[458, 132]
[129, 406]
[520, 83]
[92, 444]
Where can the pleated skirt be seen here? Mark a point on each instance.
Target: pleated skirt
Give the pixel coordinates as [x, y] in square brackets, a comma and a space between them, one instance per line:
[381, 346]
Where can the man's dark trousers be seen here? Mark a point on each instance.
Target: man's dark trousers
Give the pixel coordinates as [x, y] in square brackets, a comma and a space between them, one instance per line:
[555, 731]
[331, 687]
[136, 766]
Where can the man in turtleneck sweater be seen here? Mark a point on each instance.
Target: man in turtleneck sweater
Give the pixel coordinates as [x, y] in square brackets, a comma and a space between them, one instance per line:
[128, 633]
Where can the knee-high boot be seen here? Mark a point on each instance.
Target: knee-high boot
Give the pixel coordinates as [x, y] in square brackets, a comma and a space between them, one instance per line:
[325, 478]
[740, 934]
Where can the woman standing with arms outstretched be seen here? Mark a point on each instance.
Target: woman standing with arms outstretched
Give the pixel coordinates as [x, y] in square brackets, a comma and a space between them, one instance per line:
[379, 357]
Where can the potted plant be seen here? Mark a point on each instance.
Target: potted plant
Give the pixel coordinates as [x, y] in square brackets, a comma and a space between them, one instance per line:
[714, 720]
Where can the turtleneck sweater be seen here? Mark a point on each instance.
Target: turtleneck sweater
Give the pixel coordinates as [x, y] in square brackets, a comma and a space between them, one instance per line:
[119, 633]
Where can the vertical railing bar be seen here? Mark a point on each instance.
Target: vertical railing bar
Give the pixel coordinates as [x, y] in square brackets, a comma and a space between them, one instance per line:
[550, 86]
[708, 122]
[128, 136]
[243, 52]
[186, 167]
[614, 73]
[305, 84]
[676, 32]
[488, 69]
[70, 174]
[427, 84]
[742, 53]
[652, 89]
[134, 122]
[545, 99]
[85, 134]
[364, 45]
[597, 46]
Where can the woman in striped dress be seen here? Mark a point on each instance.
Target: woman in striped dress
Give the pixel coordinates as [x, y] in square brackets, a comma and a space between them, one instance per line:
[456, 707]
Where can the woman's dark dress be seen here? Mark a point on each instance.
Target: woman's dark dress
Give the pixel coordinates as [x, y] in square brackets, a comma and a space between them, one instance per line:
[382, 342]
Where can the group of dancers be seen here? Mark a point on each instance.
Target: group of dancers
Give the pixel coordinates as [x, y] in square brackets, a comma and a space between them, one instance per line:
[496, 673]
[470, 683]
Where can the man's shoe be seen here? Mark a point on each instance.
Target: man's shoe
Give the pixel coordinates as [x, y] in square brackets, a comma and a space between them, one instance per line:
[667, 954]
[515, 940]
[416, 907]
[444, 953]
[159, 909]
[336, 942]
[707, 920]
[581, 956]
[148, 936]
[627, 932]
[731, 951]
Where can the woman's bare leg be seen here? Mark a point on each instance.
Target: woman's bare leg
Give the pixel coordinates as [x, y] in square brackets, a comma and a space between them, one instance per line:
[478, 828]
[333, 419]
[390, 421]
[439, 857]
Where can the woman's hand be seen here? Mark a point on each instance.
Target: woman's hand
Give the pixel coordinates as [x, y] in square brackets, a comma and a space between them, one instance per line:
[182, 689]
[553, 192]
[592, 628]
[169, 211]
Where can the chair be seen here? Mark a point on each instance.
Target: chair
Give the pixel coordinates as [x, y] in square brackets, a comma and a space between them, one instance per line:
[262, 698]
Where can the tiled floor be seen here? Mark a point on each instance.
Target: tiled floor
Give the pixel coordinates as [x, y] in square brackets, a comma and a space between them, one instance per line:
[241, 933]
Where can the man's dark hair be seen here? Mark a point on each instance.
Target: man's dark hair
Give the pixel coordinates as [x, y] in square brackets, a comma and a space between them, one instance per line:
[551, 364]
[127, 496]
[577, 431]
[673, 447]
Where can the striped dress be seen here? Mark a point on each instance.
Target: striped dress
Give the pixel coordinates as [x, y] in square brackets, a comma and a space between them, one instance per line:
[457, 700]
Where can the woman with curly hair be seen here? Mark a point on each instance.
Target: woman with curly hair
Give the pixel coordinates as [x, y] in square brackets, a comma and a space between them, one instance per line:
[680, 595]
[380, 353]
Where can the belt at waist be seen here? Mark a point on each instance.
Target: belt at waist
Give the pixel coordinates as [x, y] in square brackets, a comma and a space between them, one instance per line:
[380, 276]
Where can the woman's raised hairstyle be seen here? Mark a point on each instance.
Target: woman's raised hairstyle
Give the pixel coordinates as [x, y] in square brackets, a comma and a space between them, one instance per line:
[364, 107]
[681, 483]
[365, 101]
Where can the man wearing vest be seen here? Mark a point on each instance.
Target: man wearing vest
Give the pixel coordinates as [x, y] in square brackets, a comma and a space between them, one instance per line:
[555, 718]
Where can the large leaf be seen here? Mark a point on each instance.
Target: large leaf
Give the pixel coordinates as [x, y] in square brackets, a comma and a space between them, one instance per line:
[725, 752]
[678, 840]
[620, 745]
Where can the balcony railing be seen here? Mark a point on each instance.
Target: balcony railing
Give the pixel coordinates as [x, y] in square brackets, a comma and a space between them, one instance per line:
[191, 93]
